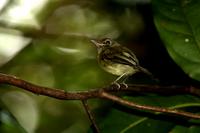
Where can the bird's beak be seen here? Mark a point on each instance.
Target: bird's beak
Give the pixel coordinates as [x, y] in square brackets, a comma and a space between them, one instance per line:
[95, 42]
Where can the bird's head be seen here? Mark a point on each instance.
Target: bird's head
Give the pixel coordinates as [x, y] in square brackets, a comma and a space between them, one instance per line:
[103, 43]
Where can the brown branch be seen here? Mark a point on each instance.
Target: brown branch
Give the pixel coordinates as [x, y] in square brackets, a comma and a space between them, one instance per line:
[55, 93]
[103, 93]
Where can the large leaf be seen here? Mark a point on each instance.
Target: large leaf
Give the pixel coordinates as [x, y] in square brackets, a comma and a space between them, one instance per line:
[178, 24]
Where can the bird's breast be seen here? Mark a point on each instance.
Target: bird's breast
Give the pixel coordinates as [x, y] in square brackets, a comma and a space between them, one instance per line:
[118, 69]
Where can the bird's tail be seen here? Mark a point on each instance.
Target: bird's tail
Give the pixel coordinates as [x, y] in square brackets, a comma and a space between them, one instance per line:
[143, 70]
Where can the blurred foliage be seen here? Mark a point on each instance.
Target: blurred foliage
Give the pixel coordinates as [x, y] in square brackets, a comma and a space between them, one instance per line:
[47, 43]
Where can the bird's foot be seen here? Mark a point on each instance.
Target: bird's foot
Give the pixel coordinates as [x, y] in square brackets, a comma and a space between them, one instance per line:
[124, 85]
[116, 85]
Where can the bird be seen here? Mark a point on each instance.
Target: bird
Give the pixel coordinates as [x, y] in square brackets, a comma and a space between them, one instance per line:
[117, 59]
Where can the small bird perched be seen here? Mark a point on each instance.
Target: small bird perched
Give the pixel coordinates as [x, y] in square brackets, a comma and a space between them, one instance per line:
[117, 59]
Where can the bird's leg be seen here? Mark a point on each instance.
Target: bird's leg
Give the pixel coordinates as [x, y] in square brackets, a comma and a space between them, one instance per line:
[116, 82]
[120, 77]
[124, 80]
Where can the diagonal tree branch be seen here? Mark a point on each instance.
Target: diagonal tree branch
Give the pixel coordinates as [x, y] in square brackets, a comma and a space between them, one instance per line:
[149, 108]
[103, 93]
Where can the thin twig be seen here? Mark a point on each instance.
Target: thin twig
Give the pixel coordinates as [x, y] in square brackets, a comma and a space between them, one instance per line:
[103, 93]
[91, 116]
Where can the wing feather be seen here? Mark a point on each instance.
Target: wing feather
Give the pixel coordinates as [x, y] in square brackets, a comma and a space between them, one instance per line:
[120, 55]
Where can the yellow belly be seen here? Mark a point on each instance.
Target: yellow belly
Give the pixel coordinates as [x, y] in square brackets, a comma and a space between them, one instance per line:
[119, 69]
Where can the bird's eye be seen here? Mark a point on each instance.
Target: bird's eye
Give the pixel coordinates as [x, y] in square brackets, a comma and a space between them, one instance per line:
[107, 42]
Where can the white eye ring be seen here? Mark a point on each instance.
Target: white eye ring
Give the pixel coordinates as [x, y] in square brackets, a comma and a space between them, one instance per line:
[107, 42]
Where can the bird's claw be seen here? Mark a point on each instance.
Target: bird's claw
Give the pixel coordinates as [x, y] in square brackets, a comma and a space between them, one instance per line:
[116, 85]
[124, 85]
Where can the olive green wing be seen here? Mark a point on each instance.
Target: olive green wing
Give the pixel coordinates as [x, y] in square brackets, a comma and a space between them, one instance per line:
[121, 55]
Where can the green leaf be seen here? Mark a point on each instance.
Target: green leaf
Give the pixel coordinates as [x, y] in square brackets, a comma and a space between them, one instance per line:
[178, 24]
